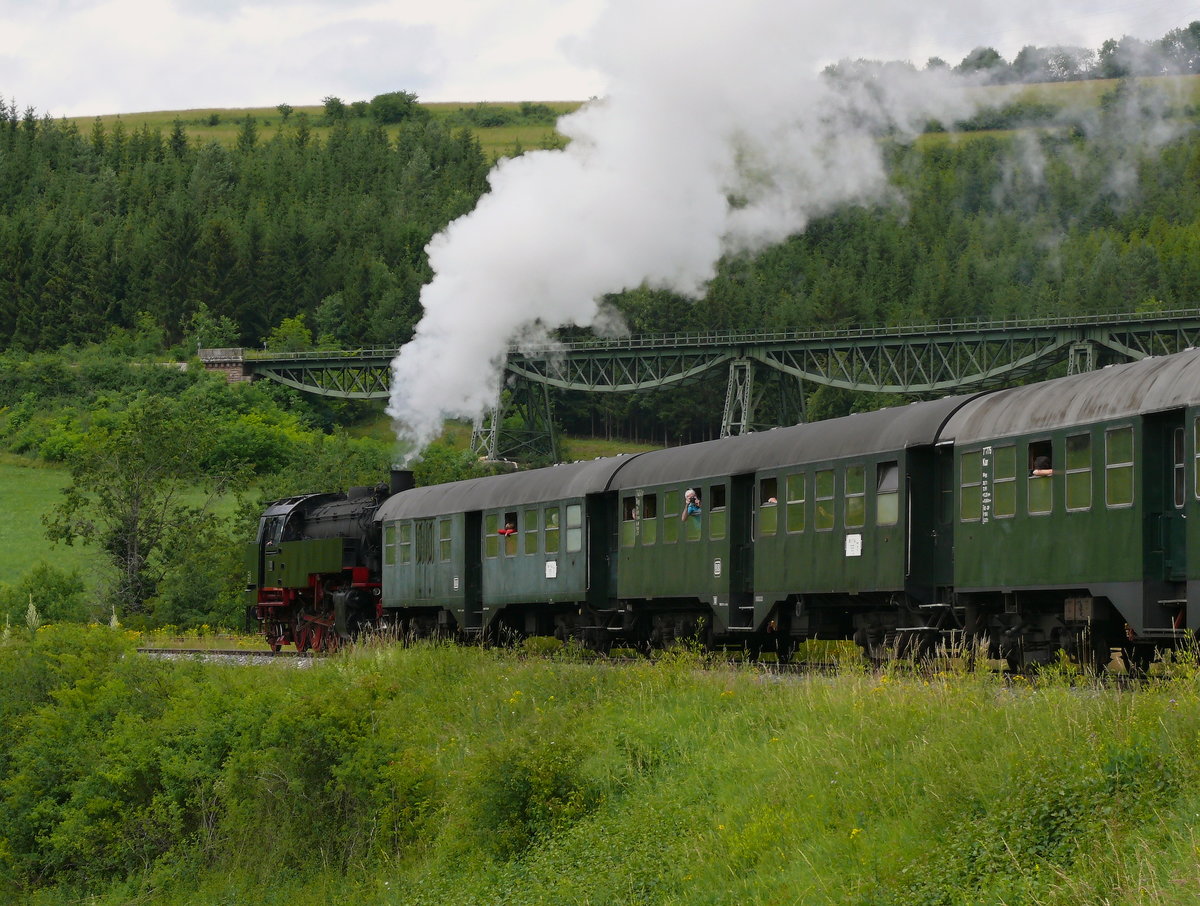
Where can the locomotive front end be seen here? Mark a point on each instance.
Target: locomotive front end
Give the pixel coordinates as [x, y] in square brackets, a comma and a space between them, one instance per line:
[313, 572]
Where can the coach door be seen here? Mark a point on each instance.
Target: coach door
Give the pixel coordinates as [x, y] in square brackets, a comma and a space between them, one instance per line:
[1165, 495]
[472, 566]
[600, 542]
[741, 553]
[426, 560]
[929, 513]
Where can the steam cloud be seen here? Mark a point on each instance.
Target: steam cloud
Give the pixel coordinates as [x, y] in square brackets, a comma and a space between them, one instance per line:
[716, 135]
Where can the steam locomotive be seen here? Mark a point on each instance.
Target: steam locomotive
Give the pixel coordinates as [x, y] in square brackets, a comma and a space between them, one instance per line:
[1052, 519]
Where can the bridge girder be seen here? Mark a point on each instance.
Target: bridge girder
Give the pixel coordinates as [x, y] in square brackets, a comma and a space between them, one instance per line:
[940, 358]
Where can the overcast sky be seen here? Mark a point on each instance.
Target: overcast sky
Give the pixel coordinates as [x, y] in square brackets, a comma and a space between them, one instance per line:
[85, 57]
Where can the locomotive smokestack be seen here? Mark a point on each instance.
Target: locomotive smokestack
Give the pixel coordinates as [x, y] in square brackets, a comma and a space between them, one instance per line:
[402, 480]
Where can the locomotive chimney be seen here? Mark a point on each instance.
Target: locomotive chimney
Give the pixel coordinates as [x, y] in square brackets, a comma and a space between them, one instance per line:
[402, 480]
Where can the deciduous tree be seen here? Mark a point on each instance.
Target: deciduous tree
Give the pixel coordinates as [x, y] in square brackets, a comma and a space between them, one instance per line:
[141, 487]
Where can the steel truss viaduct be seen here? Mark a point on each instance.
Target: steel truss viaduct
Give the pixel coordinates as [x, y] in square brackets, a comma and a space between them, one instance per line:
[918, 361]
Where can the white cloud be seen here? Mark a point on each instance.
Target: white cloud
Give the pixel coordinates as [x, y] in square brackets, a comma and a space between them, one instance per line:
[82, 57]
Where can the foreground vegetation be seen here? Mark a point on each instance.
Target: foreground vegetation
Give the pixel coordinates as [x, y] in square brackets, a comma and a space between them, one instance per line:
[439, 774]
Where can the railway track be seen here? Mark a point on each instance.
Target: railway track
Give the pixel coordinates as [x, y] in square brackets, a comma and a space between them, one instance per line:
[244, 656]
[230, 655]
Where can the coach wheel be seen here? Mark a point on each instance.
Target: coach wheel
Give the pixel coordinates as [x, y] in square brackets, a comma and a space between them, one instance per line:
[1089, 648]
[1013, 653]
[1137, 659]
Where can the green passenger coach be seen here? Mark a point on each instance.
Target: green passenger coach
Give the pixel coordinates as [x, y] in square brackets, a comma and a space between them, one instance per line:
[802, 531]
[526, 552]
[1072, 505]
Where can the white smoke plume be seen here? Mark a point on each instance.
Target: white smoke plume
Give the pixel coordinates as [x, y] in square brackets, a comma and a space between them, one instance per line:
[716, 134]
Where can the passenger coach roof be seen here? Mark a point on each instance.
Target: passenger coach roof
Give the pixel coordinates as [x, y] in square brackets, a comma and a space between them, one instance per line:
[864, 433]
[576, 479]
[1118, 391]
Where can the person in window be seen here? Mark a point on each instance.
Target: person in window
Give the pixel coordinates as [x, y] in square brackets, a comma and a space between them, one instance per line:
[691, 505]
[1041, 467]
[509, 529]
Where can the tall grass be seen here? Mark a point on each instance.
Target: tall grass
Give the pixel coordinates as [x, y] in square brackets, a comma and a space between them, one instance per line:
[436, 774]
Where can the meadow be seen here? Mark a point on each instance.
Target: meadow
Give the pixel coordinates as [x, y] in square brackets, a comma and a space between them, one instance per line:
[30, 489]
[438, 774]
[222, 125]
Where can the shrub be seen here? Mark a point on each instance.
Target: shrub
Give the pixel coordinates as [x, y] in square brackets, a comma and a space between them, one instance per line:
[59, 596]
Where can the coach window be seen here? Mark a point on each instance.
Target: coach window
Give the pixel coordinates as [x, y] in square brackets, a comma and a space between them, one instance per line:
[551, 530]
[444, 535]
[1079, 472]
[629, 516]
[970, 500]
[795, 503]
[887, 493]
[1004, 482]
[824, 499]
[574, 528]
[945, 490]
[424, 546]
[509, 533]
[1118, 467]
[671, 501]
[491, 538]
[691, 524]
[389, 545]
[531, 531]
[406, 542]
[856, 496]
[1179, 467]
[768, 506]
[649, 518]
[716, 514]
[1041, 486]
[1196, 461]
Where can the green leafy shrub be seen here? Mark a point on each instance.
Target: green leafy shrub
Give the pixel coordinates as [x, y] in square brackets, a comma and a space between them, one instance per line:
[59, 596]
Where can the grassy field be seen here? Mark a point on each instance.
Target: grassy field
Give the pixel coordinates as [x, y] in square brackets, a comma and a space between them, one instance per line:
[440, 774]
[199, 124]
[29, 490]
[223, 124]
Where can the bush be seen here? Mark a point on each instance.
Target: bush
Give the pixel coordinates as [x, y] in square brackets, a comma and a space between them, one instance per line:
[396, 107]
[58, 596]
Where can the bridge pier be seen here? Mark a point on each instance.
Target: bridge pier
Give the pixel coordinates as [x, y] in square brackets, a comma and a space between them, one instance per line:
[1081, 357]
[739, 398]
[531, 437]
